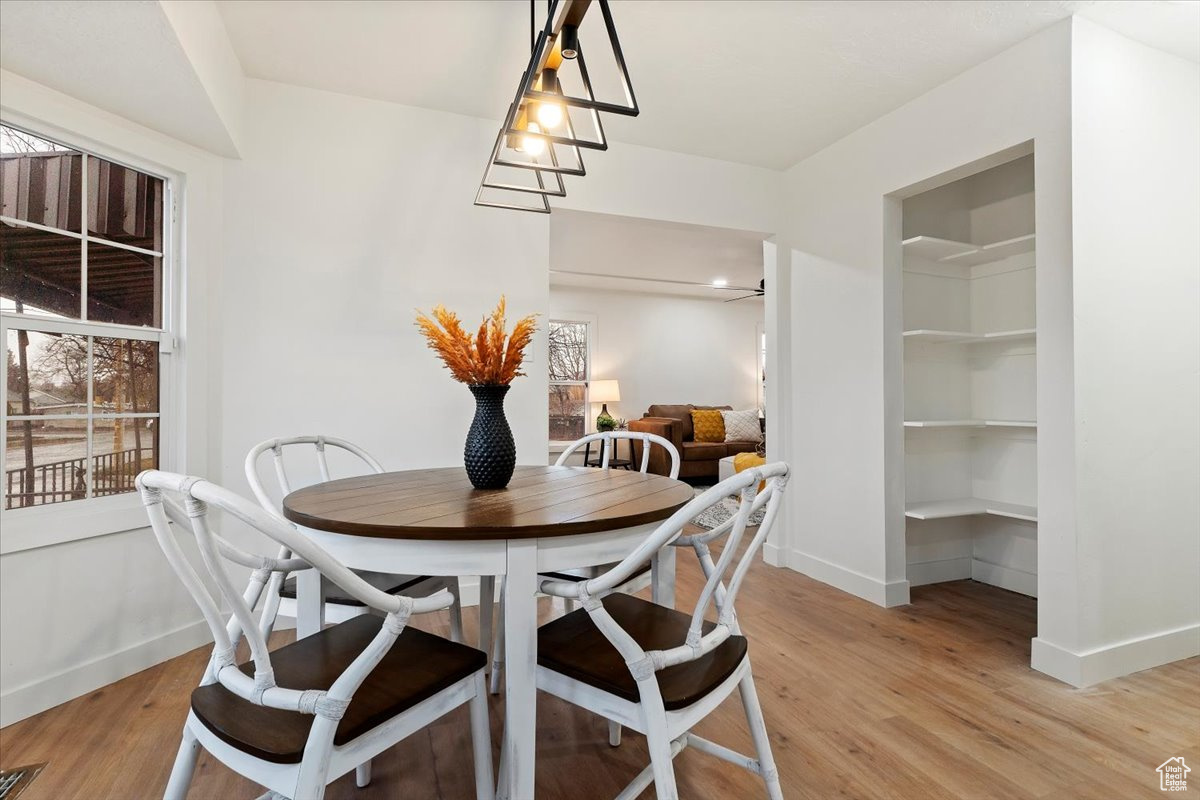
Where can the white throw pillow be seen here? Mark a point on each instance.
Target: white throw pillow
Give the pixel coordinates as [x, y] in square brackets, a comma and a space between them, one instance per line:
[742, 426]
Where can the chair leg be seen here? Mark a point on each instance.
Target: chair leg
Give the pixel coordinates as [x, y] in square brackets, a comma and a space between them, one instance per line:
[758, 732]
[659, 744]
[362, 775]
[502, 776]
[614, 733]
[481, 742]
[185, 765]
[487, 596]
[498, 650]
[456, 626]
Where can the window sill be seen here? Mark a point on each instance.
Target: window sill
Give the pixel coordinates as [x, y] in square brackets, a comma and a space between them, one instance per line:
[558, 447]
[45, 526]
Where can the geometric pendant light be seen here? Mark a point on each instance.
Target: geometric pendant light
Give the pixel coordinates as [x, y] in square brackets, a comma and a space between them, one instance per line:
[546, 128]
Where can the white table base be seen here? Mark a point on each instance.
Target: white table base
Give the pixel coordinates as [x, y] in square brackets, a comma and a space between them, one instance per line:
[520, 560]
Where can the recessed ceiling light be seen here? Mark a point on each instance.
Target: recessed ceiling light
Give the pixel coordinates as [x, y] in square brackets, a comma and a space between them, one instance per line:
[719, 282]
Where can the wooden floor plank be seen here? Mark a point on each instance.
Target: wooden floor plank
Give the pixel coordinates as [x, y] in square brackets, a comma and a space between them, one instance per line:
[933, 700]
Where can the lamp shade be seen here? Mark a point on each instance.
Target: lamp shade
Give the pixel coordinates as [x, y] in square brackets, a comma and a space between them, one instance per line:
[604, 392]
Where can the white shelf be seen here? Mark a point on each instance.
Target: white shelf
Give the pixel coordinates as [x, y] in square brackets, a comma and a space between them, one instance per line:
[969, 423]
[965, 253]
[995, 251]
[935, 249]
[963, 337]
[969, 507]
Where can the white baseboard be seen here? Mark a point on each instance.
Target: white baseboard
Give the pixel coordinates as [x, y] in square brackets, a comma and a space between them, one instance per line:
[888, 595]
[34, 698]
[1015, 580]
[1117, 659]
[949, 569]
[774, 555]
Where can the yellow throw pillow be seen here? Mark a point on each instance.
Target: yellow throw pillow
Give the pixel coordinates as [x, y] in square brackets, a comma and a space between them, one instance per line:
[709, 425]
[744, 461]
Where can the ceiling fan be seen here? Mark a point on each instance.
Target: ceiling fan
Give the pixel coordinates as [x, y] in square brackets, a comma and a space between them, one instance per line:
[759, 292]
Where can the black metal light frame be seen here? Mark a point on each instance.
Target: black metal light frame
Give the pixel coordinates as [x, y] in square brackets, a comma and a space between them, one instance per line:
[526, 94]
[572, 15]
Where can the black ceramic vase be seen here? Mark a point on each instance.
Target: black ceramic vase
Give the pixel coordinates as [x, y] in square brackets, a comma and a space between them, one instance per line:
[490, 453]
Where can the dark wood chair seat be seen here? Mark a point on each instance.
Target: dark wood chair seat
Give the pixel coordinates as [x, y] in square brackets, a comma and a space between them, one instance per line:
[573, 646]
[392, 584]
[418, 666]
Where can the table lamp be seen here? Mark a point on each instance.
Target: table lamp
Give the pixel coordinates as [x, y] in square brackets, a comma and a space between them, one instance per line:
[604, 392]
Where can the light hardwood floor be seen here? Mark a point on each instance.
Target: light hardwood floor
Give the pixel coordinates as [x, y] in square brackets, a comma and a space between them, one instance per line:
[934, 700]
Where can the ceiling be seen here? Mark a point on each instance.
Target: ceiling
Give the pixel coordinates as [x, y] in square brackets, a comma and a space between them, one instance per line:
[753, 81]
[629, 254]
[122, 57]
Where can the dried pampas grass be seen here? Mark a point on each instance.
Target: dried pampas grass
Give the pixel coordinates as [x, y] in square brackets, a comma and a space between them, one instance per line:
[484, 358]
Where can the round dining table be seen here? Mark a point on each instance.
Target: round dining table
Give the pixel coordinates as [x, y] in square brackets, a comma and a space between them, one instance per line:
[433, 522]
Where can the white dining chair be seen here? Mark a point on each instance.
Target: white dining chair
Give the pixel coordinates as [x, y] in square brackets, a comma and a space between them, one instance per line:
[638, 581]
[658, 670]
[294, 719]
[337, 607]
[608, 444]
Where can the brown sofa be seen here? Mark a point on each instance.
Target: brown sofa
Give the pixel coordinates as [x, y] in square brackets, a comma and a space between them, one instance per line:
[674, 423]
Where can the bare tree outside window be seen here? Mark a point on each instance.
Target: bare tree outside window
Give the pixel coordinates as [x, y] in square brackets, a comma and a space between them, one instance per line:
[569, 370]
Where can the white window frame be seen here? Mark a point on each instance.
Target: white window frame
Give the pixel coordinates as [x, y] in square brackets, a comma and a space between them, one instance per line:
[589, 424]
[56, 523]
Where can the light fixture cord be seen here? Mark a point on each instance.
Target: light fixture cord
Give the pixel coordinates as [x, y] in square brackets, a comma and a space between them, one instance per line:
[532, 25]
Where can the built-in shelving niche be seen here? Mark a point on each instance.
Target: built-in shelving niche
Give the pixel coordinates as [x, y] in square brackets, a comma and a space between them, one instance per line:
[970, 380]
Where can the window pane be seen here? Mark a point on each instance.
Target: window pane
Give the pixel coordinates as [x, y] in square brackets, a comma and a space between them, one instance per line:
[40, 272]
[40, 181]
[45, 462]
[123, 286]
[120, 450]
[124, 375]
[568, 351]
[124, 205]
[566, 412]
[56, 368]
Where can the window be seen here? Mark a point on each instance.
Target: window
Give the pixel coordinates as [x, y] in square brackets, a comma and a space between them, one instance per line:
[82, 319]
[570, 367]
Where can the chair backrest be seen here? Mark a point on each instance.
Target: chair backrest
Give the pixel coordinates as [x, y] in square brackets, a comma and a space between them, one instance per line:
[185, 500]
[717, 589]
[285, 484]
[608, 440]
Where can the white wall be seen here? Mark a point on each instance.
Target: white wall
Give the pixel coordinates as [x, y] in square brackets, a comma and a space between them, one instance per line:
[843, 226]
[342, 218]
[1136, 149]
[79, 615]
[1118, 553]
[669, 349]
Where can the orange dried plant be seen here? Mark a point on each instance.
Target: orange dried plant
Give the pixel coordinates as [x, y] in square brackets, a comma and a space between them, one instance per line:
[485, 358]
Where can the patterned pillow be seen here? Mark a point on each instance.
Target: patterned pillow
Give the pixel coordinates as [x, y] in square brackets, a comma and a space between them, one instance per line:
[708, 425]
[741, 426]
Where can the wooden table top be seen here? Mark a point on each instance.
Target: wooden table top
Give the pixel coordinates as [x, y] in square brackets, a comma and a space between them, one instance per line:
[438, 504]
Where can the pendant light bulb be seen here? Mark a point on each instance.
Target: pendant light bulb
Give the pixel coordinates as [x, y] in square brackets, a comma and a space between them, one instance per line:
[549, 115]
[533, 145]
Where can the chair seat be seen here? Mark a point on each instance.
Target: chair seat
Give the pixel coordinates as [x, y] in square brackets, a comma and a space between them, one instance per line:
[390, 584]
[418, 666]
[573, 646]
